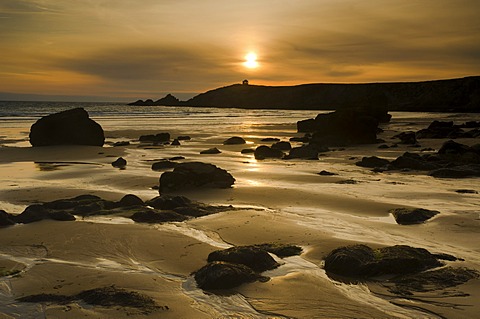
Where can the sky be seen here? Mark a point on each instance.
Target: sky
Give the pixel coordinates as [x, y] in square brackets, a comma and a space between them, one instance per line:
[138, 49]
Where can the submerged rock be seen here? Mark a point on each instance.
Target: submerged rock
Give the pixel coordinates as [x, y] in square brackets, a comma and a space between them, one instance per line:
[70, 127]
[195, 175]
[119, 163]
[407, 216]
[212, 150]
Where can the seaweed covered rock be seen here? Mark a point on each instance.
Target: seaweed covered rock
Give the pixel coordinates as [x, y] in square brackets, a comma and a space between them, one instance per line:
[407, 216]
[195, 175]
[254, 257]
[224, 275]
[363, 261]
[70, 127]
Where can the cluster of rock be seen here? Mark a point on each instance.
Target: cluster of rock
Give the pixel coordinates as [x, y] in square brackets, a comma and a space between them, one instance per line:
[440, 129]
[409, 268]
[156, 210]
[70, 127]
[105, 297]
[168, 100]
[234, 266]
[453, 160]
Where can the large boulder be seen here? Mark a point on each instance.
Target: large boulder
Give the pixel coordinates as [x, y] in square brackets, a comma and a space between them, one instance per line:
[193, 175]
[70, 127]
[344, 127]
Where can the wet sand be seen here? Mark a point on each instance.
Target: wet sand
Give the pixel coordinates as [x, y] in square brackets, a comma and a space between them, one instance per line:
[277, 201]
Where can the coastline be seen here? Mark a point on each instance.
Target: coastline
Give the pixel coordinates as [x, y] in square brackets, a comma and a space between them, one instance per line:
[277, 201]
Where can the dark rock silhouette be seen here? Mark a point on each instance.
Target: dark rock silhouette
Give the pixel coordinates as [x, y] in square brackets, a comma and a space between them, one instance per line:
[263, 152]
[234, 140]
[119, 162]
[212, 150]
[282, 145]
[224, 275]
[163, 165]
[460, 95]
[6, 219]
[195, 175]
[372, 162]
[254, 257]
[408, 216]
[157, 138]
[363, 261]
[70, 127]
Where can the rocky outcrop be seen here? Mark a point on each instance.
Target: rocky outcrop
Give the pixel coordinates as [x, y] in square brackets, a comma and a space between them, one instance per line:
[460, 95]
[238, 265]
[168, 100]
[70, 127]
[193, 175]
[157, 210]
[440, 129]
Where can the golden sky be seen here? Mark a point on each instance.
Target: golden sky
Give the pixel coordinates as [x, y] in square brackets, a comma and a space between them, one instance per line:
[133, 49]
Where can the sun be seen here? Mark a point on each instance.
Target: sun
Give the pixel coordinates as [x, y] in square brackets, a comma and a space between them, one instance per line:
[251, 61]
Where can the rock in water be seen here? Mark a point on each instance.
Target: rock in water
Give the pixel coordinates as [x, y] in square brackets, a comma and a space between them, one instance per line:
[224, 275]
[195, 175]
[70, 127]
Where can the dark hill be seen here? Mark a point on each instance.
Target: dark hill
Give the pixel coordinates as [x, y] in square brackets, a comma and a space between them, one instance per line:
[461, 95]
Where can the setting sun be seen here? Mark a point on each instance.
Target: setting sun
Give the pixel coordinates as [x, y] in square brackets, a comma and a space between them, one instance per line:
[251, 60]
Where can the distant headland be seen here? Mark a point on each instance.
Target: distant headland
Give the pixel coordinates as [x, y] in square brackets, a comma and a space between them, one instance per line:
[459, 95]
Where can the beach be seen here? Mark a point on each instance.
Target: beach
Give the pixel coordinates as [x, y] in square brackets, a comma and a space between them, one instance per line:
[274, 200]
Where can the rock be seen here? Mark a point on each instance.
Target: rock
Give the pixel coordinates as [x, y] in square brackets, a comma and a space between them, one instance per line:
[463, 171]
[212, 150]
[407, 138]
[119, 163]
[281, 250]
[254, 257]
[408, 216]
[363, 261]
[32, 213]
[305, 126]
[162, 165]
[466, 191]
[184, 138]
[263, 152]
[431, 280]
[176, 142]
[304, 139]
[105, 297]
[156, 216]
[372, 162]
[349, 126]
[61, 216]
[283, 146]
[270, 139]
[453, 148]
[224, 275]
[156, 139]
[248, 151]
[130, 200]
[184, 206]
[326, 173]
[70, 127]
[195, 175]
[234, 141]
[6, 219]
[308, 152]
[412, 161]
[383, 146]
[122, 143]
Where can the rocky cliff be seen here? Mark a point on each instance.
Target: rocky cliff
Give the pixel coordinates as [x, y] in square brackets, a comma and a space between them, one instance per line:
[461, 95]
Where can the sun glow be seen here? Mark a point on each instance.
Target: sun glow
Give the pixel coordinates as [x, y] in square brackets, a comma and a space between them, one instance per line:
[251, 60]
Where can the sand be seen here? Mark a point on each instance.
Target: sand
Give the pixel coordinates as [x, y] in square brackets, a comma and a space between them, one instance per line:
[277, 201]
